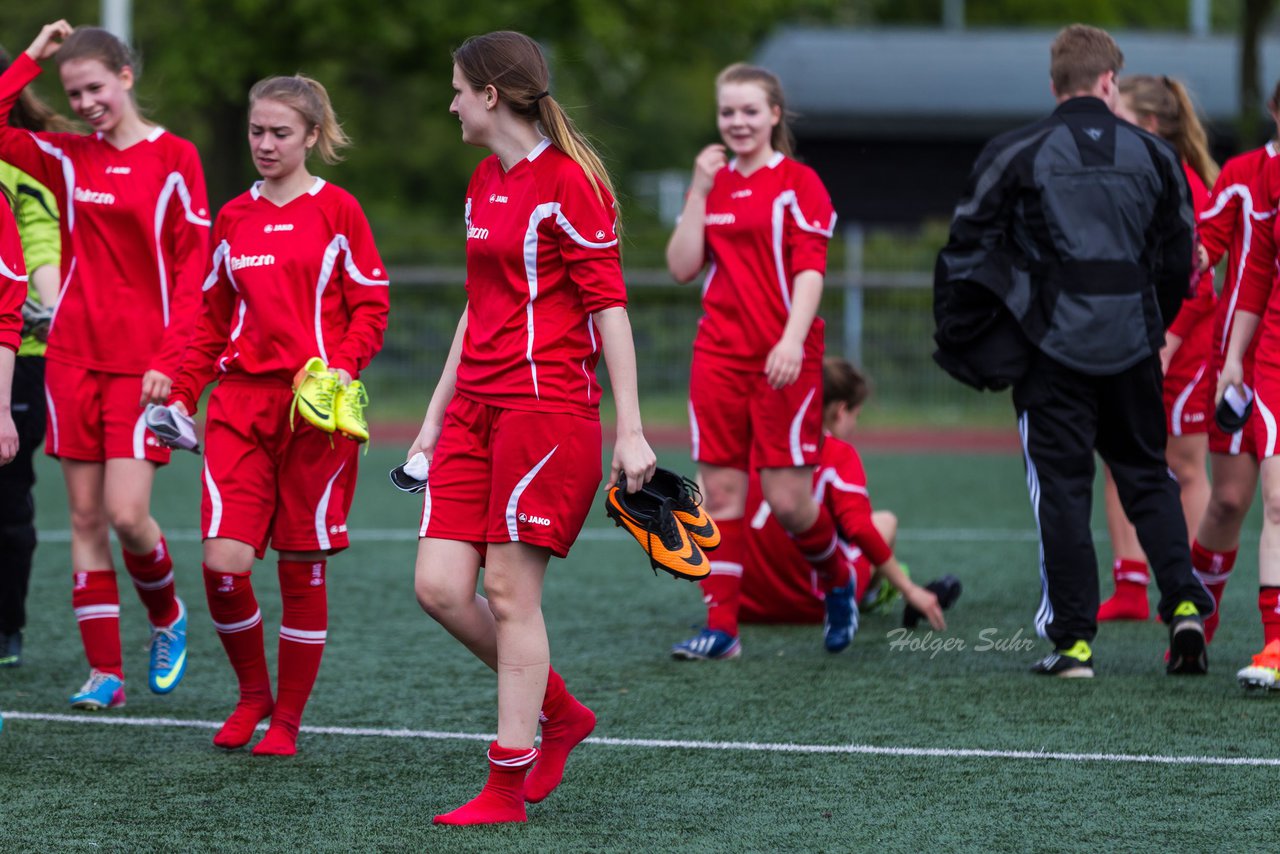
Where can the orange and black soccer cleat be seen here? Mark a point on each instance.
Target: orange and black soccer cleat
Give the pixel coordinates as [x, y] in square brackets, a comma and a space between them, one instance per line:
[687, 506]
[652, 521]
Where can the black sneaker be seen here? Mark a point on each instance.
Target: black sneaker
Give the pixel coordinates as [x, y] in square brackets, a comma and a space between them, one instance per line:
[1188, 651]
[947, 589]
[10, 649]
[1074, 662]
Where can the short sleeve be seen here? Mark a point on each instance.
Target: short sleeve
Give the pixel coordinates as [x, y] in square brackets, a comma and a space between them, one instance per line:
[586, 228]
[811, 223]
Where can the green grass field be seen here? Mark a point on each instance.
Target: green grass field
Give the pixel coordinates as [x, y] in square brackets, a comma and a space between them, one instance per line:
[786, 748]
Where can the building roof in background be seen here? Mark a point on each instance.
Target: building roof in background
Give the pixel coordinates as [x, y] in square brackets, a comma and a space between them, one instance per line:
[956, 83]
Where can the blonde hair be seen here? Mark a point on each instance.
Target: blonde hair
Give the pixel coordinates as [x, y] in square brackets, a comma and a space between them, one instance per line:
[311, 101]
[513, 64]
[782, 138]
[1169, 103]
[1079, 56]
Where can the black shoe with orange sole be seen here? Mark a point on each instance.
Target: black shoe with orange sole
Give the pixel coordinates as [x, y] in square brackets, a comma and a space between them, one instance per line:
[652, 521]
[687, 506]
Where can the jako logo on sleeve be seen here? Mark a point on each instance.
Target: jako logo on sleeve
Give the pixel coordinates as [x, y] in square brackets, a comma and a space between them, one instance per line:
[241, 261]
[93, 197]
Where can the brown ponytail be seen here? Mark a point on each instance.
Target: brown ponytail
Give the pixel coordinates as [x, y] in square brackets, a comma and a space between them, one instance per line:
[1169, 102]
[513, 64]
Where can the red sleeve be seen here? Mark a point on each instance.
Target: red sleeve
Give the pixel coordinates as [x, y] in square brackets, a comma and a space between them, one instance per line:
[186, 250]
[586, 229]
[810, 225]
[212, 331]
[13, 280]
[1203, 297]
[847, 500]
[1218, 223]
[365, 290]
[1260, 264]
[19, 147]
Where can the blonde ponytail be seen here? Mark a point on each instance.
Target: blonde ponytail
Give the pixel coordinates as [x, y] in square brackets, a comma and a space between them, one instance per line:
[1168, 101]
[311, 100]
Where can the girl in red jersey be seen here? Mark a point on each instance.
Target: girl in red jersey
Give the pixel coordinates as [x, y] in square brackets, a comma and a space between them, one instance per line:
[134, 235]
[513, 430]
[1161, 105]
[763, 221]
[778, 584]
[295, 273]
[13, 291]
[1256, 326]
[1227, 227]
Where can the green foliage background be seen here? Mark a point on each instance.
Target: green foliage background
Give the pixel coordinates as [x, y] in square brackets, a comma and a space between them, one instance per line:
[636, 75]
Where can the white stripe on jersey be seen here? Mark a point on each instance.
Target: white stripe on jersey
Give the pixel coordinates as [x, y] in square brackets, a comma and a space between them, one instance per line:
[544, 211]
[62, 290]
[221, 254]
[786, 201]
[1246, 241]
[339, 244]
[174, 183]
[322, 509]
[830, 477]
[10, 274]
[514, 500]
[215, 504]
[68, 175]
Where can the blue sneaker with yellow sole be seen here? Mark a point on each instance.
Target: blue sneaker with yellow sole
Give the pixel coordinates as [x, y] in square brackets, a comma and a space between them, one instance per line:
[168, 653]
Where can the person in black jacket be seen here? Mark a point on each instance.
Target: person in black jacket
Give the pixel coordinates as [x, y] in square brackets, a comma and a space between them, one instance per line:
[1070, 252]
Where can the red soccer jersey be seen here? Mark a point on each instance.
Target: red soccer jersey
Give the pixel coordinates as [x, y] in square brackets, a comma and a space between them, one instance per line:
[776, 576]
[135, 227]
[13, 279]
[1236, 212]
[1192, 322]
[761, 230]
[542, 257]
[288, 283]
[1257, 291]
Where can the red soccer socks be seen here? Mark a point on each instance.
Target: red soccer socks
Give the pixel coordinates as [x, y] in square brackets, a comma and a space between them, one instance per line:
[1213, 569]
[821, 548]
[304, 624]
[565, 723]
[235, 614]
[502, 798]
[721, 590]
[152, 576]
[1269, 609]
[96, 601]
[1129, 602]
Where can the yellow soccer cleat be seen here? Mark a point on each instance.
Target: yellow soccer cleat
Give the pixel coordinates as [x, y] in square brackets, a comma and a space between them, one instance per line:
[352, 399]
[314, 396]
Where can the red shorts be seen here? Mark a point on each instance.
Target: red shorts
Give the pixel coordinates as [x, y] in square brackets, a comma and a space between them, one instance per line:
[1241, 442]
[265, 482]
[1185, 409]
[510, 476]
[95, 416]
[738, 421]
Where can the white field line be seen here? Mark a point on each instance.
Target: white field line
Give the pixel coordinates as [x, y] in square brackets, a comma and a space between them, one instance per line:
[676, 744]
[410, 534]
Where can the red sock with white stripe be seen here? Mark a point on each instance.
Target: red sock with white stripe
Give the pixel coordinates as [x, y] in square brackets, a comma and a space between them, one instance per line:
[236, 617]
[565, 723]
[96, 601]
[1269, 608]
[1129, 602]
[1213, 569]
[821, 549]
[152, 575]
[304, 623]
[502, 798]
[721, 590]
